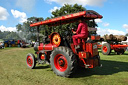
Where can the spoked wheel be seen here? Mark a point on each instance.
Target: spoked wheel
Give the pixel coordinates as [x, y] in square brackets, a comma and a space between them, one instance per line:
[106, 49]
[56, 39]
[63, 61]
[30, 60]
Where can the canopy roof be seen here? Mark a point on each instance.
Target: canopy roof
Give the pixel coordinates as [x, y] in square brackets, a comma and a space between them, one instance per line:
[88, 14]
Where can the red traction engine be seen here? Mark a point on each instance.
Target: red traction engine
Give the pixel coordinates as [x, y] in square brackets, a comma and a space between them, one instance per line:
[62, 55]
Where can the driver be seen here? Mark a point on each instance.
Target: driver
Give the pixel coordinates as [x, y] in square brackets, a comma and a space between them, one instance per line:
[82, 32]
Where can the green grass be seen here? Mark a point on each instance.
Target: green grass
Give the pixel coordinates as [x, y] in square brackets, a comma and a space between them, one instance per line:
[14, 71]
[1, 40]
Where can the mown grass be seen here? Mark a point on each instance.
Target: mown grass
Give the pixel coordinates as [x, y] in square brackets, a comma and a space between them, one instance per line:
[14, 71]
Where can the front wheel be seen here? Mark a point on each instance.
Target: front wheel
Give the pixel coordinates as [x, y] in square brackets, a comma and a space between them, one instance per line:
[63, 61]
[31, 61]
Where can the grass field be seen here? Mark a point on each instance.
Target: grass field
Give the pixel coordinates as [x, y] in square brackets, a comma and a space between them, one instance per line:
[1, 40]
[14, 71]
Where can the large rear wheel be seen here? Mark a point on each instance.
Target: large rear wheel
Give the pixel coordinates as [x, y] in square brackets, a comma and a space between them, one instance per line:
[63, 61]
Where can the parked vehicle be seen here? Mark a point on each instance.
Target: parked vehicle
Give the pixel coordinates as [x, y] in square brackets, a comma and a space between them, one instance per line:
[60, 52]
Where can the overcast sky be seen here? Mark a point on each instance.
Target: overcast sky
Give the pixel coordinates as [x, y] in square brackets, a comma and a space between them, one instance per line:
[114, 12]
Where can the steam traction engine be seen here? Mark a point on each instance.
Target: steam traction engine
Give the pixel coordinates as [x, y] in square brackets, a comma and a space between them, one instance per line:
[60, 52]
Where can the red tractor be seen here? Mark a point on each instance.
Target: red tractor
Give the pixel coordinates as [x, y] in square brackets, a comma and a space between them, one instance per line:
[60, 52]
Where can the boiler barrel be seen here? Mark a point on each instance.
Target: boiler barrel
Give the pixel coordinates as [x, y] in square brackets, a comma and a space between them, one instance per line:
[44, 47]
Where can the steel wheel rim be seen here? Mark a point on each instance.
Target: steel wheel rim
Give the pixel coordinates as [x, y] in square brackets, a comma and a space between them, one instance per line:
[29, 61]
[60, 62]
[105, 49]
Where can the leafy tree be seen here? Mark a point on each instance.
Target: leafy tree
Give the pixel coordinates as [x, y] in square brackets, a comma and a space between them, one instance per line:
[1, 34]
[64, 10]
[19, 27]
[25, 31]
[67, 9]
[30, 33]
[126, 34]
[9, 35]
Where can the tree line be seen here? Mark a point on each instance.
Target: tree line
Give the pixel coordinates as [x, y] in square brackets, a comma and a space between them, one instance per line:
[30, 32]
[25, 32]
[9, 35]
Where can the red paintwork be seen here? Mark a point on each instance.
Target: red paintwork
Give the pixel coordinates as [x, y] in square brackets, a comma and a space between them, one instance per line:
[119, 46]
[83, 44]
[95, 37]
[47, 47]
[92, 63]
[92, 49]
[89, 50]
[99, 46]
[42, 57]
[115, 46]
[29, 61]
[66, 18]
[84, 55]
[60, 62]
[105, 49]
